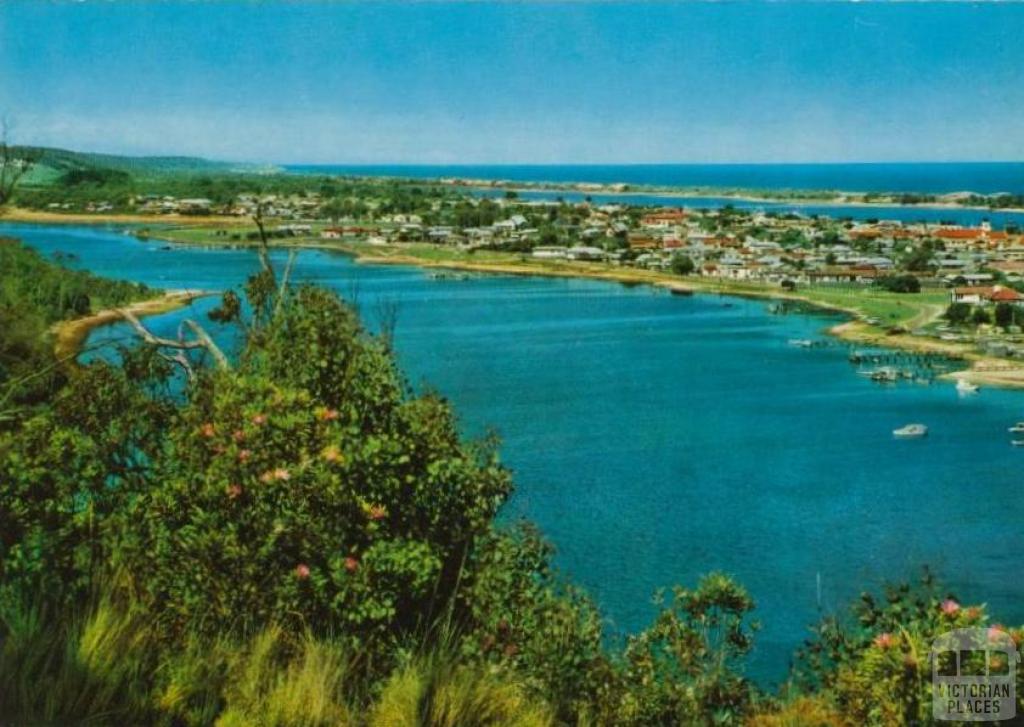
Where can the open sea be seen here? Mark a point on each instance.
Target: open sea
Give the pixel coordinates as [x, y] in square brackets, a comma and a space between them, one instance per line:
[655, 438]
[932, 177]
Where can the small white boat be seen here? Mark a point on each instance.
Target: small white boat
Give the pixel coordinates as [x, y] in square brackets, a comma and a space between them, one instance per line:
[801, 342]
[911, 431]
[1017, 428]
[886, 374]
[966, 387]
[1018, 442]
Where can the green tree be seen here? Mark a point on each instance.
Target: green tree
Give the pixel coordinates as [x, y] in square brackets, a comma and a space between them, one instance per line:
[958, 313]
[899, 283]
[682, 265]
[1005, 315]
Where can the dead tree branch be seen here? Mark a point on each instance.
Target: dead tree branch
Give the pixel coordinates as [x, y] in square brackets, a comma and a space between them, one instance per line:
[284, 280]
[180, 345]
[264, 248]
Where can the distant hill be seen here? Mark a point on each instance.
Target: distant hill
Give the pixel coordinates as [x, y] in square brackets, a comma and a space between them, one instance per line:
[54, 163]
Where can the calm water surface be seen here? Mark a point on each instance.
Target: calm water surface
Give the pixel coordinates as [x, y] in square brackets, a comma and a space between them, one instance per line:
[655, 438]
[938, 178]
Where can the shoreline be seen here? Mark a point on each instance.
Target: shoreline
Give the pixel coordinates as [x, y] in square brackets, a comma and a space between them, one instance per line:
[39, 217]
[747, 197]
[69, 336]
[980, 369]
[20, 214]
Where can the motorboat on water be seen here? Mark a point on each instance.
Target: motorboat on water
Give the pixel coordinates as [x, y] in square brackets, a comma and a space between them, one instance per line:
[966, 387]
[1017, 442]
[1017, 428]
[911, 431]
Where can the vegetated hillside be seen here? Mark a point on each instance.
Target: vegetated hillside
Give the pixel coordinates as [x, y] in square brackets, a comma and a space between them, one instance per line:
[35, 293]
[55, 164]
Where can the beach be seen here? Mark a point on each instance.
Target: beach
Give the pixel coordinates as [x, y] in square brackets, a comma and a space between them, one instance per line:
[69, 336]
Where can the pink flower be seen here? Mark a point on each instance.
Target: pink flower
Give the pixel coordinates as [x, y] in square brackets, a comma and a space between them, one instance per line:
[207, 430]
[885, 640]
[244, 455]
[377, 512]
[351, 564]
[238, 435]
[259, 420]
[329, 415]
[332, 454]
[302, 571]
[279, 474]
[950, 607]
[996, 632]
[234, 491]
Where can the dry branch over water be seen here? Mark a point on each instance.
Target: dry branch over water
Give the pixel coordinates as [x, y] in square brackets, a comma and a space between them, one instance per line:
[70, 335]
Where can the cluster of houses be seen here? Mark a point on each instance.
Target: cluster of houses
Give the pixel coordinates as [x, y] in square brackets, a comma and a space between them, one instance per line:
[797, 248]
[790, 247]
[734, 245]
[286, 207]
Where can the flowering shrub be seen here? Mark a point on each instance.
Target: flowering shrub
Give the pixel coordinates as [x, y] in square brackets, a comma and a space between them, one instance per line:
[876, 667]
[267, 501]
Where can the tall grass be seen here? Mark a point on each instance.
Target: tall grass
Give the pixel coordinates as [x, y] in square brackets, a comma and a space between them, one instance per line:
[56, 671]
[106, 668]
[308, 689]
[436, 691]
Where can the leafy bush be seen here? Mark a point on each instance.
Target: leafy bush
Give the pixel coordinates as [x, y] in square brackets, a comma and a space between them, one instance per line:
[876, 666]
[330, 498]
[958, 313]
[899, 283]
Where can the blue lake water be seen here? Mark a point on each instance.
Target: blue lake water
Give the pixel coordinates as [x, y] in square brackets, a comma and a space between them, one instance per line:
[936, 178]
[655, 438]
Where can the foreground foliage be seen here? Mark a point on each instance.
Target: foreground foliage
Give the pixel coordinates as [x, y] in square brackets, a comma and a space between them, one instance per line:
[35, 293]
[300, 540]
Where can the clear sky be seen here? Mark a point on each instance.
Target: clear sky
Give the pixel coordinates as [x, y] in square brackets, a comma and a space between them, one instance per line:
[447, 82]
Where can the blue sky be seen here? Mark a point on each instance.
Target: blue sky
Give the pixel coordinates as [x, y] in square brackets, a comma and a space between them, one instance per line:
[543, 82]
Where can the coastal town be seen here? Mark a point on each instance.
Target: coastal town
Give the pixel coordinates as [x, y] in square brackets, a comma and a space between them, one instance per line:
[928, 279]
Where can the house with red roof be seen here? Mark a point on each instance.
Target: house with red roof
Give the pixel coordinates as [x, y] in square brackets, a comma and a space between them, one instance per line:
[980, 294]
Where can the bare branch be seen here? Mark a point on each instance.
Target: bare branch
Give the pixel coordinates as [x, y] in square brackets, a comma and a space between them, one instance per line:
[202, 340]
[264, 247]
[180, 359]
[284, 280]
[154, 340]
[200, 333]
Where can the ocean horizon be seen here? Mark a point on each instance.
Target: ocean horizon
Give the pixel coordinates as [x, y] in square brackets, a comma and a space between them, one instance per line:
[921, 177]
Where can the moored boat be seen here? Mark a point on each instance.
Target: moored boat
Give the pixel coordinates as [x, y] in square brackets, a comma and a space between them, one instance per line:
[886, 374]
[1017, 428]
[966, 387]
[911, 431]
